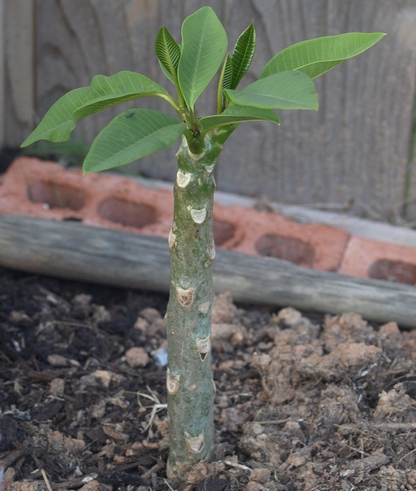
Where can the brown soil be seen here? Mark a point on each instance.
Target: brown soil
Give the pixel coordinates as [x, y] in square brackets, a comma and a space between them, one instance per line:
[303, 403]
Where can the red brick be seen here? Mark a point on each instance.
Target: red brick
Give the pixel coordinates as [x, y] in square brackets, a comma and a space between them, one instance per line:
[365, 258]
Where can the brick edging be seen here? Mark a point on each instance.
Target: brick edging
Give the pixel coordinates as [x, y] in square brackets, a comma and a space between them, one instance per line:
[46, 190]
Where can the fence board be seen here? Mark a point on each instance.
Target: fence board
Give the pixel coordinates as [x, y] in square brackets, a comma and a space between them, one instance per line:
[19, 103]
[76, 251]
[410, 210]
[353, 151]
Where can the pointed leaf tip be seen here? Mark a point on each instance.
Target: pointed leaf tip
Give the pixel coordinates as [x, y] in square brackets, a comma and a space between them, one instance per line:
[243, 54]
[168, 53]
[314, 57]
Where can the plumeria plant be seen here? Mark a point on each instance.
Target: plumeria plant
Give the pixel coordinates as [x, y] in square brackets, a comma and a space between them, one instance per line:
[286, 83]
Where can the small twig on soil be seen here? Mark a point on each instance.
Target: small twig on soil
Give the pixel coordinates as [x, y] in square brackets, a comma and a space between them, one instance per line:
[349, 428]
[45, 478]
[406, 455]
[168, 485]
[159, 465]
[357, 450]
[238, 466]
[274, 421]
[158, 406]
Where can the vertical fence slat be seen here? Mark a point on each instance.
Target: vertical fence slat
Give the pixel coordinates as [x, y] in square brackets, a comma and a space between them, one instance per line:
[19, 103]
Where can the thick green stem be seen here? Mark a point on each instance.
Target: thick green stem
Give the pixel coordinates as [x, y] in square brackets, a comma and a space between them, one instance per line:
[190, 384]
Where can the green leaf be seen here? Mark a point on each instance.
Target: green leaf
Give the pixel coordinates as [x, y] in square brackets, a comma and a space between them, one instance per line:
[227, 74]
[130, 136]
[285, 90]
[204, 44]
[168, 53]
[224, 82]
[317, 56]
[243, 55]
[60, 120]
[236, 66]
[238, 114]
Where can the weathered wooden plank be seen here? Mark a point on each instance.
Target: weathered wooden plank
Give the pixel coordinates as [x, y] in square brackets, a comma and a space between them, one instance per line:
[354, 151]
[75, 251]
[19, 81]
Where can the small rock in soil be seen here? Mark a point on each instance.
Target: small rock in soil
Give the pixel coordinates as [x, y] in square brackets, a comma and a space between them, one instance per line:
[137, 357]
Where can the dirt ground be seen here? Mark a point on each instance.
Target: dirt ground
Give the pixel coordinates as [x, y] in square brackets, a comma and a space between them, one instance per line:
[303, 403]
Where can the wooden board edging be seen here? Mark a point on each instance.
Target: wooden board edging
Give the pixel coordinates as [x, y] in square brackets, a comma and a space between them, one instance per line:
[76, 251]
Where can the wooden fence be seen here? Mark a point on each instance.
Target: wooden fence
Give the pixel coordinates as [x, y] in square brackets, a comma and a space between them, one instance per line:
[353, 155]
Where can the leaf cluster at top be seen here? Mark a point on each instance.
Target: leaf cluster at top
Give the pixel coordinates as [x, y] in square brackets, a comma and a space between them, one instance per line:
[286, 82]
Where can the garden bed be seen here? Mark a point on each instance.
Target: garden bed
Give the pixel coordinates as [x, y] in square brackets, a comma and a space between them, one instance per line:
[304, 402]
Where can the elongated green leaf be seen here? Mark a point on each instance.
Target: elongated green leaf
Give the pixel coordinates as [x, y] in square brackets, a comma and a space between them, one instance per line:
[227, 74]
[285, 90]
[242, 55]
[238, 114]
[204, 44]
[130, 136]
[224, 82]
[317, 56]
[168, 53]
[60, 120]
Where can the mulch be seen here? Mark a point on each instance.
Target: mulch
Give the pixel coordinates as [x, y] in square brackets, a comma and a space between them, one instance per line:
[304, 402]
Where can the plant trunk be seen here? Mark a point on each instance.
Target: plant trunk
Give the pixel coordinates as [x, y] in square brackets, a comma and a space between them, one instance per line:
[190, 384]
